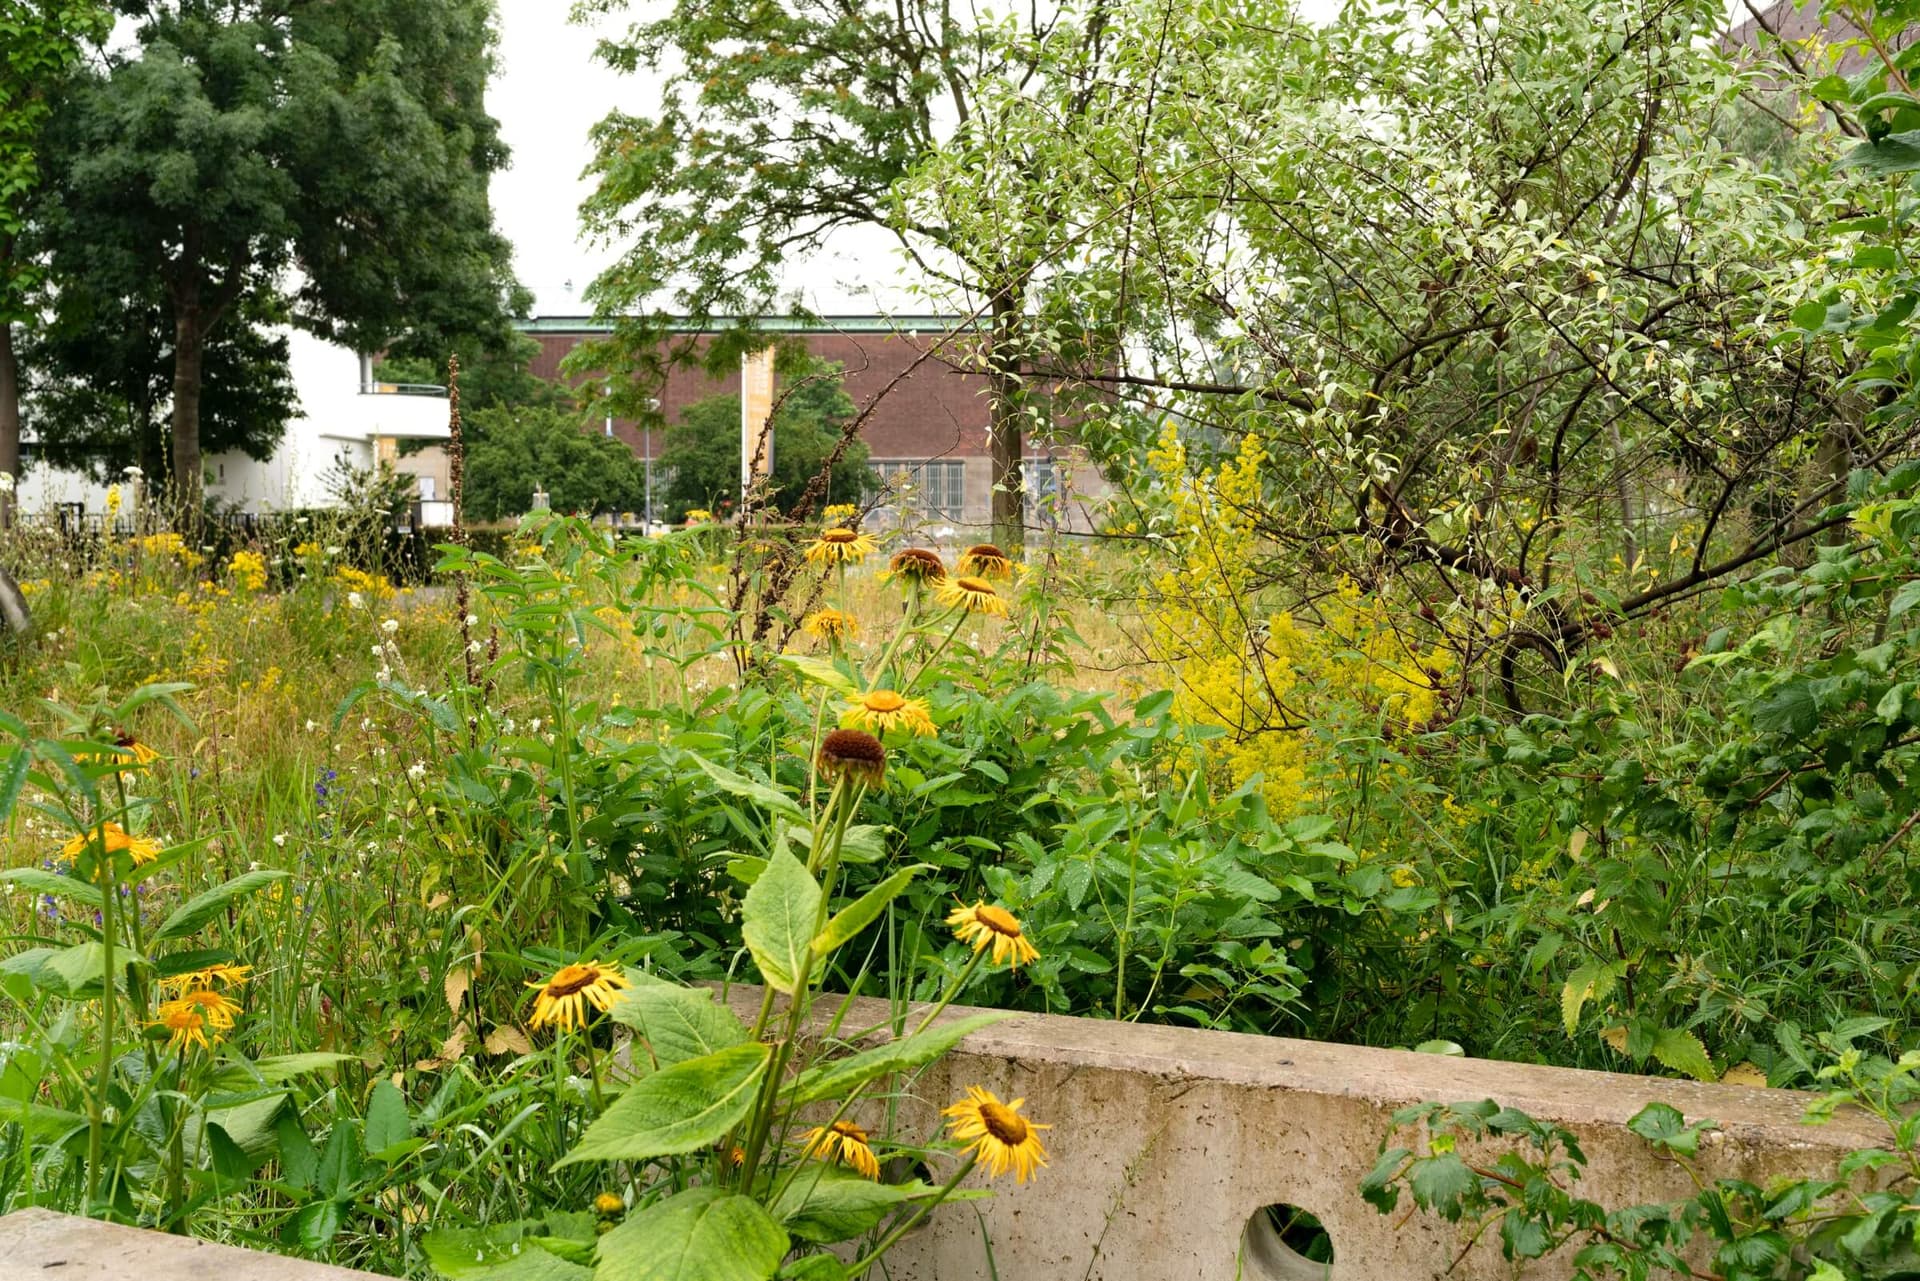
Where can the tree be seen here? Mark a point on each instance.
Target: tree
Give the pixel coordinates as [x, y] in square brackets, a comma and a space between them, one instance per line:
[1469, 302]
[515, 451]
[785, 121]
[491, 375]
[101, 371]
[340, 151]
[40, 41]
[701, 452]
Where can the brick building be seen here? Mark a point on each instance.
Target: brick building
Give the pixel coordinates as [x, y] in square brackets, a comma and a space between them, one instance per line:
[927, 437]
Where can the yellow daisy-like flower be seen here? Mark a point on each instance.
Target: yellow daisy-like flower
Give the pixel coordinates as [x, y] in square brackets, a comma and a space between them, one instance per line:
[845, 1143]
[224, 974]
[983, 923]
[218, 1007]
[1000, 1137]
[829, 624]
[608, 1203]
[918, 565]
[975, 595]
[853, 754]
[114, 839]
[129, 751]
[840, 547]
[984, 560]
[563, 999]
[188, 1023]
[880, 710]
[839, 513]
[698, 516]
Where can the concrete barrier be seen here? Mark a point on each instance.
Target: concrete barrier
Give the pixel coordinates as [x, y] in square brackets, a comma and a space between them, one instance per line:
[1168, 1142]
[40, 1245]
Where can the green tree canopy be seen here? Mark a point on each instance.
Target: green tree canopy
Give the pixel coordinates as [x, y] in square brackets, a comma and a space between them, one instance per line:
[514, 451]
[338, 151]
[702, 450]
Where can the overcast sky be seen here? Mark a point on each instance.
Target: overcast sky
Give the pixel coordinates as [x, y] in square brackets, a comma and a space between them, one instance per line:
[548, 94]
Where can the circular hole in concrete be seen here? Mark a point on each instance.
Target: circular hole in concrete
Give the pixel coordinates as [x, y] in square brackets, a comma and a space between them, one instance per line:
[1283, 1242]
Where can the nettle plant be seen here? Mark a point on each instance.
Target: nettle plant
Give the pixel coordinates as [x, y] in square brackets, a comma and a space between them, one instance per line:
[745, 1147]
[131, 1098]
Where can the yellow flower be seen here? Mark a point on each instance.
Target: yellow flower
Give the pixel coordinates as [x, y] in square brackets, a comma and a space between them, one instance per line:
[698, 515]
[608, 1203]
[249, 570]
[845, 1142]
[840, 547]
[131, 751]
[224, 974]
[984, 560]
[564, 997]
[880, 710]
[1001, 1138]
[918, 565]
[188, 1024]
[854, 754]
[115, 840]
[975, 595]
[839, 513]
[829, 624]
[218, 1007]
[983, 923]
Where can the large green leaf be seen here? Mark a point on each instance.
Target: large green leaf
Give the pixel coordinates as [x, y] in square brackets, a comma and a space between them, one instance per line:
[702, 1234]
[839, 1077]
[678, 1109]
[41, 881]
[496, 1254]
[825, 1203]
[768, 798]
[1682, 1051]
[387, 1123]
[201, 908]
[677, 1023]
[777, 918]
[862, 912]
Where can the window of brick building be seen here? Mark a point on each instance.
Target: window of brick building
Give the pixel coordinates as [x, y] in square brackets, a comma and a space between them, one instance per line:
[935, 490]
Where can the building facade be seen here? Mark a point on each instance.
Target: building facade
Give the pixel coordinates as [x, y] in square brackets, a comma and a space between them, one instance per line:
[927, 436]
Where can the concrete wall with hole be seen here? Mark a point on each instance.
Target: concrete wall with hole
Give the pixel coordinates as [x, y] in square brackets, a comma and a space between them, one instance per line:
[1168, 1146]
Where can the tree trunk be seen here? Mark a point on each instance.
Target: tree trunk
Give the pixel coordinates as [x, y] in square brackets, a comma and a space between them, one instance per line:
[9, 419]
[189, 479]
[1005, 430]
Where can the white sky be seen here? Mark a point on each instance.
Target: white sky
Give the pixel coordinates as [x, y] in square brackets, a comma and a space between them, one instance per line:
[549, 92]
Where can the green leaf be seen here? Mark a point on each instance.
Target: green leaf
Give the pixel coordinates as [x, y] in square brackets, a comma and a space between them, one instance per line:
[201, 908]
[768, 798]
[387, 1123]
[837, 1078]
[825, 1204]
[339, 1167]
[314, 1227]
[1439, 1182]
[776, 920]
[1897, 153]
[1682, 1051]
[41, 881]
[12, 779]
[1905, 599]
[299, 1163]
[80, 966]
[677, 1023]
[496, 1254]
[702, 1234]
[677, 1109]
[276, 1068]
[1789, 709]
[821, 672]
[1592, 981]
[863, 911]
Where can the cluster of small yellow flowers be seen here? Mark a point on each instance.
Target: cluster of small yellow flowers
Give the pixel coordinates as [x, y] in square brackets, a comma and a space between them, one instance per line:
[698, 516]
[839, 513]
[562, 1001]
[199, 1012]
[249, 570]
[309, 550]
[830, 624]
[168, 546]
[369, 586]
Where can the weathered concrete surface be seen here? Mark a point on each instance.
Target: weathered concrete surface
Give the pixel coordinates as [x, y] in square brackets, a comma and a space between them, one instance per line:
[1165, 1142]
[40, 1245]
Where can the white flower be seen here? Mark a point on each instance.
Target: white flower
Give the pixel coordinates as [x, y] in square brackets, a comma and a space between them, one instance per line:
[390, 626]
[132, 473]
[6, 482]
[312, 725]
[333, 549]
[535, 728]
[366, 722]
[356, 601]
[378, 651]
[280, 839]
[473, 620]
[475, 647]
[417, 770]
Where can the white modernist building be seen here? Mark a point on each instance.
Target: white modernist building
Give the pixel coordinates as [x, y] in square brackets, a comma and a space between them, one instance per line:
[344, 417]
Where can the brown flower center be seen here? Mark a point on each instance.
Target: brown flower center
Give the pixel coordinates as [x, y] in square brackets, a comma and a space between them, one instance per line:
[998, 919]
[918, 562]
[572, 979]
[986, 551]
[838, 536]
[1003, 1123]
[848, 1130]
[852, 746]
[884, 700]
